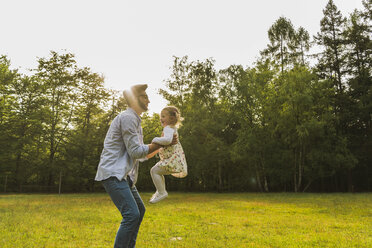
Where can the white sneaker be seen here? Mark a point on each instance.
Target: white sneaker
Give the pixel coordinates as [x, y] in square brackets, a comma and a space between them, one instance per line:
[158, 197]
[154, 195]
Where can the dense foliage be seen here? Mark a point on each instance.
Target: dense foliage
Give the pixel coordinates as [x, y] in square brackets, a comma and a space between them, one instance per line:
[293, 121]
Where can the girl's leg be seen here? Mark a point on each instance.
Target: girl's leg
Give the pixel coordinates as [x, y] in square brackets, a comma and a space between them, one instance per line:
[157, 175]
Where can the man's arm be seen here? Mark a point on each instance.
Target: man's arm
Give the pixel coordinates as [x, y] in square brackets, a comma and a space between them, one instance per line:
[153, 147]
[129, 133]
[150, 155]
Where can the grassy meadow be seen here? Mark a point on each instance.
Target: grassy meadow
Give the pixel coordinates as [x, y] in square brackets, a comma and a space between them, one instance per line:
[190, 220]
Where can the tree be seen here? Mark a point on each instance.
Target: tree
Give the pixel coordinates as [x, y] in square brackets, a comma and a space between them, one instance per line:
[179, 83]
[59, 77]
[332, 65]
[357, 34]
[250, 90]
[281, 35]
[83, 149]
[27, 125]
[7, 100]
[331, 61]
[194, 89]
[300, 46]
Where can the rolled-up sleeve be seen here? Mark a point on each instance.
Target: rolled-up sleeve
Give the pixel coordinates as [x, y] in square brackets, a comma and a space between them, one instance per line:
[135, 148]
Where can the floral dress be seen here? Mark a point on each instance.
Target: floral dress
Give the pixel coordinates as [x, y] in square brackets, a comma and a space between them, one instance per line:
[172, 158]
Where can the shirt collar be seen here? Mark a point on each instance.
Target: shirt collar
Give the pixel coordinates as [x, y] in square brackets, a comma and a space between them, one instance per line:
[135, 113]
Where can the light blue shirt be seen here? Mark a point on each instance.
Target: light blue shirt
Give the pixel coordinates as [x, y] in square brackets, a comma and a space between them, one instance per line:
[123, 148]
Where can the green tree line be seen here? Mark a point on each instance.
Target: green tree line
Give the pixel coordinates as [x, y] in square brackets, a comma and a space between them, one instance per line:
[293, 121]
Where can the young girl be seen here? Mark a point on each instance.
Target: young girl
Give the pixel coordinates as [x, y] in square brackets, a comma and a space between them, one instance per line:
[172, 158]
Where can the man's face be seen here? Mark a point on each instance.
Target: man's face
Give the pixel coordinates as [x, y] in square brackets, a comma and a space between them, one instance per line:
[143, 101]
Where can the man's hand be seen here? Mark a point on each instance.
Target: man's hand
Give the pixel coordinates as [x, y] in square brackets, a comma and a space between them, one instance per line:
[153, 147]
[174, 140]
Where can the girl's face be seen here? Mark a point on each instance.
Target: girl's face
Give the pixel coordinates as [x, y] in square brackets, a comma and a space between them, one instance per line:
[165, 118]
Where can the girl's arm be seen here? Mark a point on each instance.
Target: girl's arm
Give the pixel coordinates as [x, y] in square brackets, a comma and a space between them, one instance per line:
[167, 138]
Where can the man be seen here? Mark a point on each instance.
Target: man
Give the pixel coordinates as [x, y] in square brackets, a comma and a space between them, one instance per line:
[118, 167]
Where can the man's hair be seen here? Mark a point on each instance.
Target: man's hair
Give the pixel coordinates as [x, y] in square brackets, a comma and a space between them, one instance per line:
[135, 91]
[138, 89]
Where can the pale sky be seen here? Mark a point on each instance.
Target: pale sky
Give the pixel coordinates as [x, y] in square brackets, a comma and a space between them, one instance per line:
[133, 41]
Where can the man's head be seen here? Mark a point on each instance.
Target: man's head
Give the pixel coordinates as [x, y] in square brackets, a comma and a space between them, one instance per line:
[136, 97]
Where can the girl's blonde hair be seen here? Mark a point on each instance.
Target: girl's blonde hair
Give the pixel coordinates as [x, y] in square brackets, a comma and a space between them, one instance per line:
[174, 112]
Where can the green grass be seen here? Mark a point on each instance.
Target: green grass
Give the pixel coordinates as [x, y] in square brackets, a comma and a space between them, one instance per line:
[197, 220]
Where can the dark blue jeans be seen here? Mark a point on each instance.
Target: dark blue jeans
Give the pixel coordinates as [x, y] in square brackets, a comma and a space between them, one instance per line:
[131, 207]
